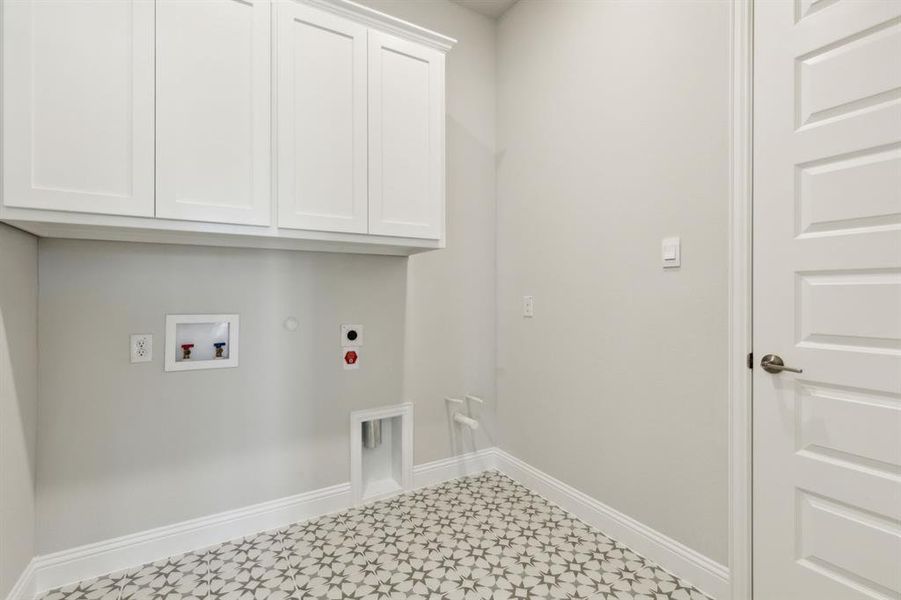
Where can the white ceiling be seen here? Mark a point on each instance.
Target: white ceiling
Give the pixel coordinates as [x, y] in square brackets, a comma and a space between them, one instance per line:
[490, 8]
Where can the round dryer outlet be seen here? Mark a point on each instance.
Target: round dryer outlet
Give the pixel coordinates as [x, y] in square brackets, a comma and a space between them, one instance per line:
[351, 336]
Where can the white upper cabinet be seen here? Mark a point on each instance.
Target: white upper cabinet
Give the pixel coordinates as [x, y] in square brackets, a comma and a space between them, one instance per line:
[213, 108]
[321, 120]
[406, 138]
[300, 124]
[78, 103]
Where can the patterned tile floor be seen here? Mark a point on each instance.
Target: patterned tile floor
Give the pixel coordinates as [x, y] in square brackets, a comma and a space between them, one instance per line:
[476, 538]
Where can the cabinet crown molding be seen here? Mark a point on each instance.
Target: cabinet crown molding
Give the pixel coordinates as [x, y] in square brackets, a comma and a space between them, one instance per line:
[386, 23]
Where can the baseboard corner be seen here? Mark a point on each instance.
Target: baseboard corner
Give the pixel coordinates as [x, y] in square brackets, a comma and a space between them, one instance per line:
[93, 560]
[25, 587]
[452, 467]
[702, 571]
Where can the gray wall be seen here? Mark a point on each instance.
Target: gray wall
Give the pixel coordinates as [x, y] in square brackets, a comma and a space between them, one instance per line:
[125, 447]
[612, 134]
[611, 130]
[18, 401]
[450, 345]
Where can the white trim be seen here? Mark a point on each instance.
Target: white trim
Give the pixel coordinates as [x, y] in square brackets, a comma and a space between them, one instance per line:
[703, 572]
[456, 466]
[108, 556]
[83, 226]
[24, 588]
[386, 23]
[740, 281]
[85, 562]
[405, 412]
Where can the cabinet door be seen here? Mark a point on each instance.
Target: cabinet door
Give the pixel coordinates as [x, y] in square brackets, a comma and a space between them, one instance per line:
[321, 127]
[406, 138]
[78, 105]
[213, 106]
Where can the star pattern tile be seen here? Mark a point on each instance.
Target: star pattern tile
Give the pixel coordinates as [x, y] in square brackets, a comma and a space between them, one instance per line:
[483, 537]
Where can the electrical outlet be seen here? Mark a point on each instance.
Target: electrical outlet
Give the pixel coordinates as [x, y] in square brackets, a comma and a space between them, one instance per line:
[351, 336]
[141, 347]
[528, 307]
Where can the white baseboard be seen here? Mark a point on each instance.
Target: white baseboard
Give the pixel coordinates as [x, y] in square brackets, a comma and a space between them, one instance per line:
[703, 572]
[453, 467]
[108, 556]
[25, 587]
[85, 562]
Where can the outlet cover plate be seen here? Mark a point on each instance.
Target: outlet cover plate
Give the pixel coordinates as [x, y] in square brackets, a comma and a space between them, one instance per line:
[141, 347]
[349, 331]
[528, 307]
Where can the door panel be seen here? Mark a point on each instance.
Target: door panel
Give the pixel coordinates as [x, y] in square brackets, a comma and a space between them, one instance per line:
[853, 426]
[832, 85]
[78, 105]
[213, 105]
[406, 138]
[321, 121]
[827, 298]
[869, 176]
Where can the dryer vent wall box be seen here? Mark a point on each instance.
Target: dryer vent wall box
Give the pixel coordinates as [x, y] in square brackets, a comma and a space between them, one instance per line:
[381, 452]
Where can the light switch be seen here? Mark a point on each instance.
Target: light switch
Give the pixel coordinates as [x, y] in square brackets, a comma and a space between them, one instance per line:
[672, 252]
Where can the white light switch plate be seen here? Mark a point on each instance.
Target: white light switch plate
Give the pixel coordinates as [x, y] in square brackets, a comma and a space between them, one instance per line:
[671, 252]
[141, 347]
[528, 307]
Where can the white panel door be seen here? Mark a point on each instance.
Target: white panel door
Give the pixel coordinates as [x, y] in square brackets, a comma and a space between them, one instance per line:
[78, 105]
[406, 138]
[827, 298]
[321, 127]
[213, 106]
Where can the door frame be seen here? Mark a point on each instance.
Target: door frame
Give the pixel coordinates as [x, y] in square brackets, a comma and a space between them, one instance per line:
[740, 303]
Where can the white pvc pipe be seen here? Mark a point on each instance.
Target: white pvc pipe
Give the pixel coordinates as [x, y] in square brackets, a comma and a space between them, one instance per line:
[464, 420]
